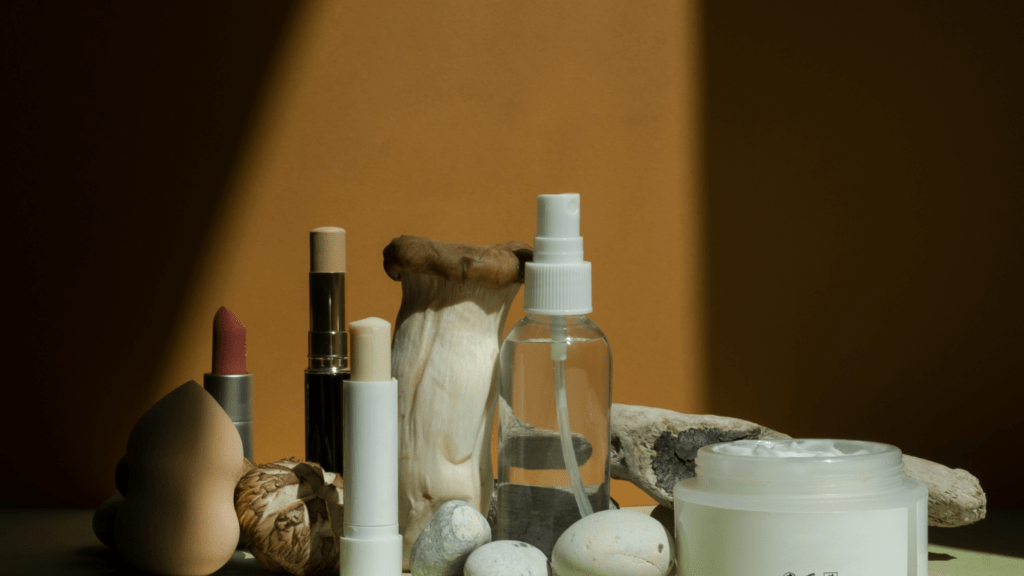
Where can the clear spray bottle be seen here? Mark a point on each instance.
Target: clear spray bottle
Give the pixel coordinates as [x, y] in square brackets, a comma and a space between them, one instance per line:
[556, 373]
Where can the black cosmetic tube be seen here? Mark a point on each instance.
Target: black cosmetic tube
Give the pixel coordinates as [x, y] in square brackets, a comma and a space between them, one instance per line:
[328, 369]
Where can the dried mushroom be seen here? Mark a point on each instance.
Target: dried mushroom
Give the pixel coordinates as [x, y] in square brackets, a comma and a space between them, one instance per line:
[291, 512]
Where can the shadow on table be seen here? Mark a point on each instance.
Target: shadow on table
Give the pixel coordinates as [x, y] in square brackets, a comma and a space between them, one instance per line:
[102, 560]
[99, 559]
[1001, 532]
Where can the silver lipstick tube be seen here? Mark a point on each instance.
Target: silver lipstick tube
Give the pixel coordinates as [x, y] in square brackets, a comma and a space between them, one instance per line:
[234, 393]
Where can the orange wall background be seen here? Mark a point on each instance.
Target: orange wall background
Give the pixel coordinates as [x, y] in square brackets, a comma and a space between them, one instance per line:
[440, 119]
[797, 216]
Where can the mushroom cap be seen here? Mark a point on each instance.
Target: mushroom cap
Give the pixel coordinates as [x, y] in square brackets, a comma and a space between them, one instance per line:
[494, 265]
[291, 513]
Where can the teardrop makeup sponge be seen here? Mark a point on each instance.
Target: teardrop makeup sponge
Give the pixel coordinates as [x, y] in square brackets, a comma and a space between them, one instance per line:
[184, 460]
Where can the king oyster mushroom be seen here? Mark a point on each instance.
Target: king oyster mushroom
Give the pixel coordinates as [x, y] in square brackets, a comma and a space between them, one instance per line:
[455, 298]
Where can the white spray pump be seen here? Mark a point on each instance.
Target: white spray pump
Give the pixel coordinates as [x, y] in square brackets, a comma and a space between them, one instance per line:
[556, 373]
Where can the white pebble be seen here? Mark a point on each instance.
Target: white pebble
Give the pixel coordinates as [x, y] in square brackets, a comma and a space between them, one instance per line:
[507, 558]
[614, 543]
[447, 540]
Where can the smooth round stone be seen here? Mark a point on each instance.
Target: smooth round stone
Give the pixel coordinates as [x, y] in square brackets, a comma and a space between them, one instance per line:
[441, 549]
[507, 558]
[614, 543]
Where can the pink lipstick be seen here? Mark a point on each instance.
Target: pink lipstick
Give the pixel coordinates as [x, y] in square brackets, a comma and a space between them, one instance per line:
[229, 383]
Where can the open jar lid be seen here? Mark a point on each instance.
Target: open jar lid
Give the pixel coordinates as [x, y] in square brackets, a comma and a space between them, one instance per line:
[799, 466]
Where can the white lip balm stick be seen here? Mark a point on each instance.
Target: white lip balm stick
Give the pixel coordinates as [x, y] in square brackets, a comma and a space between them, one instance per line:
[371, 544]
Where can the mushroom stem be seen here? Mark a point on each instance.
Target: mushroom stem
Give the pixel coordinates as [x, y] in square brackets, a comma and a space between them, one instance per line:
[444, 355]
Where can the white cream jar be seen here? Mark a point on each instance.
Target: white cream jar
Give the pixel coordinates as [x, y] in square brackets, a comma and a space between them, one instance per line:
[798, 507]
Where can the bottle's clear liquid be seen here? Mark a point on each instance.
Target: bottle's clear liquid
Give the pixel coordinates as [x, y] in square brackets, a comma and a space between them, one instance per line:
[535, 499]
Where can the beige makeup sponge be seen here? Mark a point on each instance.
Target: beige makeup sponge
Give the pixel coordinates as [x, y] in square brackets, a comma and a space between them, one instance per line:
[184, 460]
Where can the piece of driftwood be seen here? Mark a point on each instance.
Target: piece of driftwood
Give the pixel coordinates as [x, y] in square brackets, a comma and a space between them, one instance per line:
[955, 497]
[654, 448]
[537, 448]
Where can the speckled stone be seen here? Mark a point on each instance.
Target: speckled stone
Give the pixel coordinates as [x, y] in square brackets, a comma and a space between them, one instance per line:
[614, 543]
[507, 558]
[455, 531]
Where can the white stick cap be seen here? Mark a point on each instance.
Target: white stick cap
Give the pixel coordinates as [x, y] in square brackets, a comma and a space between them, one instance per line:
[371, 350]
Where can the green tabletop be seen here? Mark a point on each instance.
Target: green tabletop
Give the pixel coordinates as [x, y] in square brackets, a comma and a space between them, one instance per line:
[949, 561]
[46, 541]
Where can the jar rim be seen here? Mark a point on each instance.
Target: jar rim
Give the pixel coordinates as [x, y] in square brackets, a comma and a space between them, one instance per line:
[817, 449]
[802, 464]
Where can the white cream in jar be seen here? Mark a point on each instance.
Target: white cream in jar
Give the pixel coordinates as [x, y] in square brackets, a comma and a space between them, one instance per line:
[778, 507]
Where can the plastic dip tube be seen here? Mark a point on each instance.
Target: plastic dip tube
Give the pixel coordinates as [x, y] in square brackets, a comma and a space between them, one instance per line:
[779, 507]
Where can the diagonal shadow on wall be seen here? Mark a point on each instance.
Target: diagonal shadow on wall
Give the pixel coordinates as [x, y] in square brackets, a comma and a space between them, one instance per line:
[122, 123]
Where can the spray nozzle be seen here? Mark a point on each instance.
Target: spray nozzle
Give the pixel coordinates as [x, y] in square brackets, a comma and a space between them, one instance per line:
[558, 229]
[558, 279]
[558, 215]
